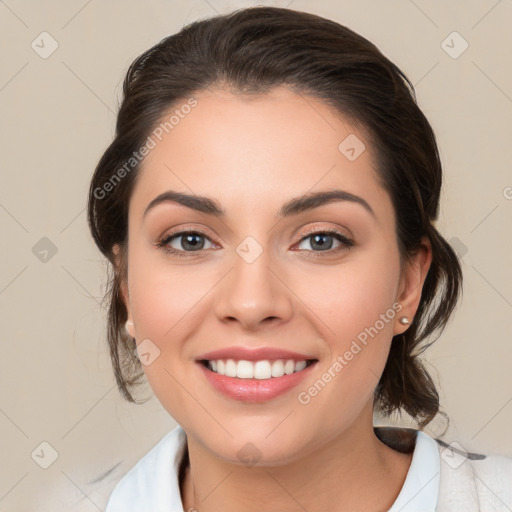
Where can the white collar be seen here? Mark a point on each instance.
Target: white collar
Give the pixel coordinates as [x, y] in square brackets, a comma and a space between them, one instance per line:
[152, 484]
[421, 487]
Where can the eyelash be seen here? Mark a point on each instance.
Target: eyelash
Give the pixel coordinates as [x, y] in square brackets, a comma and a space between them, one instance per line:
[347, 243]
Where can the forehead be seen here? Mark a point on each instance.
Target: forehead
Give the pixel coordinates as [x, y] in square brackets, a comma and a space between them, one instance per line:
[254, 152]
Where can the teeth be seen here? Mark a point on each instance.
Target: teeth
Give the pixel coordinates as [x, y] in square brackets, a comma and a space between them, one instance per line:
[256, 370]
[230, 368]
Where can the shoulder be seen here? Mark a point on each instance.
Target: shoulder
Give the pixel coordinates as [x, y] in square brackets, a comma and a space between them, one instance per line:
[483, 481]
[153, 481]
[464, 481]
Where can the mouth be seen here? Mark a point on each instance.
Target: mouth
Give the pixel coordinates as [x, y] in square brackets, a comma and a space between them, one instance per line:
[257, 381]
[264, 369]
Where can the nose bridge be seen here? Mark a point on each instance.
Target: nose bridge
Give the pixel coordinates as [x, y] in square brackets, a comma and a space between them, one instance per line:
[252, 292]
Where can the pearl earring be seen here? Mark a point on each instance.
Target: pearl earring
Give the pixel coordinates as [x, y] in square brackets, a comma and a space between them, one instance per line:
[129, 327]
[404, 320]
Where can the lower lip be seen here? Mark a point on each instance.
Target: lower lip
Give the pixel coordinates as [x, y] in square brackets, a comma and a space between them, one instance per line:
[255, 390]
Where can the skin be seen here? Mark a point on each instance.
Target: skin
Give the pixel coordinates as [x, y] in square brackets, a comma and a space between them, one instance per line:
[251, 156]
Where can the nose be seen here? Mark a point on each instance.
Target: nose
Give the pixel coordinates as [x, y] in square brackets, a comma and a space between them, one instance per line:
[254, 294]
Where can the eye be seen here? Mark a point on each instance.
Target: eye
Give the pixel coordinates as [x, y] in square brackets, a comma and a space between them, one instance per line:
[190, 242]
[322, 241]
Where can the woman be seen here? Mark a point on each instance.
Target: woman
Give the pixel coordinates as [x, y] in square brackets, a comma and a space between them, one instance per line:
[268, 207]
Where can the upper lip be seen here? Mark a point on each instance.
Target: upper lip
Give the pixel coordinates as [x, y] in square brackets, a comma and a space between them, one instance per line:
[254, 354]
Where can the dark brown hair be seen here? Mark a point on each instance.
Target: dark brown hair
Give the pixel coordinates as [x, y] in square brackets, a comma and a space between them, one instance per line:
[251, 51]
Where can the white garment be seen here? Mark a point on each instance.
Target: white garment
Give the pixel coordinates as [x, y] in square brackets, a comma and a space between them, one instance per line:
[440, 479]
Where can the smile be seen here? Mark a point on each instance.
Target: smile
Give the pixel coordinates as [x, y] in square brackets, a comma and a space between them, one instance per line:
[258, 381]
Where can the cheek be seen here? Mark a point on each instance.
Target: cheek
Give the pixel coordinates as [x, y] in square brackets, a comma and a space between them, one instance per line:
[161, 296]
[162, 300]
[169, 305]
[356, 295]
[359, 319]
[355, 306]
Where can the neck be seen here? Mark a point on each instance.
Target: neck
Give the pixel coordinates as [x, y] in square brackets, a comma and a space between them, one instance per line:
[355, 471]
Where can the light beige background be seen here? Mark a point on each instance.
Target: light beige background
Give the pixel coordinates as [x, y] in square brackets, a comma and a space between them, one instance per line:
[57, 117]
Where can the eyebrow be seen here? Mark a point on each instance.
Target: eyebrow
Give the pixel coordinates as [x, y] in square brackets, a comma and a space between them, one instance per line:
[294, 206]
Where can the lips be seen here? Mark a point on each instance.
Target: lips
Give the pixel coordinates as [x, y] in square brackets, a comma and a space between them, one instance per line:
[254, 354]
[255, 389]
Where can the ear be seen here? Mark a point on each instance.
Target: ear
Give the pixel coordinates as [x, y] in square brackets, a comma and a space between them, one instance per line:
[123, 288]
[412, 278]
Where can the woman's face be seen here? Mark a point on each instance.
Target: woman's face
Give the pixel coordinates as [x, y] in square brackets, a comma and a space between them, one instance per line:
[254, 277]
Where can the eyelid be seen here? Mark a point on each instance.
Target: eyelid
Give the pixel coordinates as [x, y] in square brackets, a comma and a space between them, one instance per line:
[182, 230]
[321, 229]
[302, 234]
